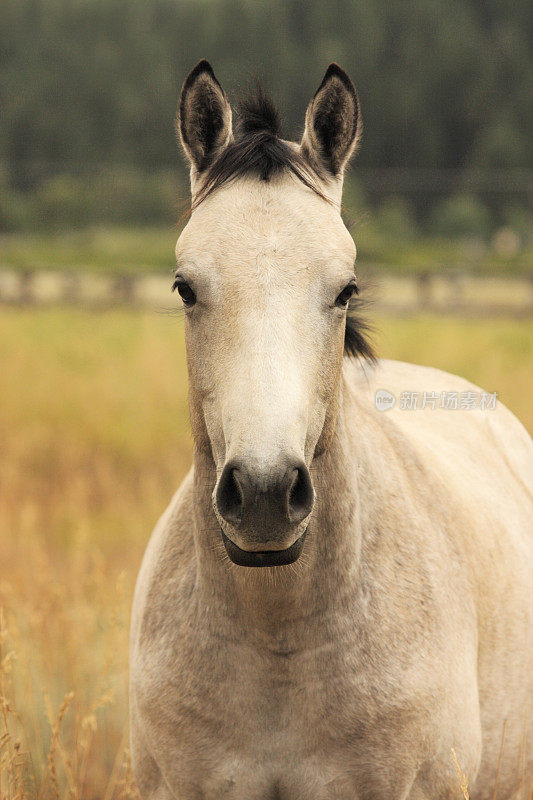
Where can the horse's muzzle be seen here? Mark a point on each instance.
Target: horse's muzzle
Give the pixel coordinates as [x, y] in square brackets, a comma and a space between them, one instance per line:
[264, 558]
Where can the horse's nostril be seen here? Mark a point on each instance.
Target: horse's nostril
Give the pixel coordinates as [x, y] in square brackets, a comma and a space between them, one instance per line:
[301, 495]
[229, 497]
[264, 505]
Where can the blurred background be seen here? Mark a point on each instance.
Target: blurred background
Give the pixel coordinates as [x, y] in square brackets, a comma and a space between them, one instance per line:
[89, 91]
[94, 435]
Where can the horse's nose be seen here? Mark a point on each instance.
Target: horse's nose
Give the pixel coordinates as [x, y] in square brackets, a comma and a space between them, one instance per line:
[264, 506]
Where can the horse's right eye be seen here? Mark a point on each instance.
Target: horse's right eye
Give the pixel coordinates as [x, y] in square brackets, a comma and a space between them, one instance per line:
[185, 292]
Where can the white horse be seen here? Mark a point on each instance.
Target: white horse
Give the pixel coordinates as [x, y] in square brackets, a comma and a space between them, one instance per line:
[337, 602]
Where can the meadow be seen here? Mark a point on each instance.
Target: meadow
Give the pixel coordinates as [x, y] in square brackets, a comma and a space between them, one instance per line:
[94, 438]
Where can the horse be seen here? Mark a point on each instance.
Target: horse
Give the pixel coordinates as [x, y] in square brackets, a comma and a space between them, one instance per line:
[336, 604]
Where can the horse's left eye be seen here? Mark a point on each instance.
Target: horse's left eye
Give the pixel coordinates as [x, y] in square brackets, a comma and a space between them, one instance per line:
[344, 297]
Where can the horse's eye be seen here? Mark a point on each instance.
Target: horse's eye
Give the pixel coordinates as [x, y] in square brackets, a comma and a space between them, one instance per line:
[344, 297]
[185, 292]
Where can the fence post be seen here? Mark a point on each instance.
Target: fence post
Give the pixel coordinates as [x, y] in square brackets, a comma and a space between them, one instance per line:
[71, 288]
[26, 287]
[123, 289]
[424, 289]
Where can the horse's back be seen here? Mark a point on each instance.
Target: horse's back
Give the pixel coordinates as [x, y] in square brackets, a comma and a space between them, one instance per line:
[461, 432]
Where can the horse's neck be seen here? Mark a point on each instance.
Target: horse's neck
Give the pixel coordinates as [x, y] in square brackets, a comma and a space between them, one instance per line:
[326, 574]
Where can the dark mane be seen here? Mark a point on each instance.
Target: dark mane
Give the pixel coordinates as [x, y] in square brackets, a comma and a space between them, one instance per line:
[258, 149]
[357, 342]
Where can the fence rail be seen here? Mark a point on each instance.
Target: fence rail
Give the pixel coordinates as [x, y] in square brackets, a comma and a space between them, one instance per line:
[445, 292]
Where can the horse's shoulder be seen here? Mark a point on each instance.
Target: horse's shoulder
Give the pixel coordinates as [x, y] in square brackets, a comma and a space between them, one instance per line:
[168, 557]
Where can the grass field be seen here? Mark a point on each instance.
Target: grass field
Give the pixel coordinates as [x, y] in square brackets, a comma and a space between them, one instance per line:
[146, 249]
[93, 440]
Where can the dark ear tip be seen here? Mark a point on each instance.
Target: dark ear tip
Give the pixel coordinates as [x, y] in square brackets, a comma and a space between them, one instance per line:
[202, 67]
[334, 71]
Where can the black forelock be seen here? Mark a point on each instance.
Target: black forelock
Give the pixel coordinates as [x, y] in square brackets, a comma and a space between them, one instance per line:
[256, 149]
[256, 112]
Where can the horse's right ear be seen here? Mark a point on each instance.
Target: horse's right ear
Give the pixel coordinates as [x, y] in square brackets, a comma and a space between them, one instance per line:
[204, 117]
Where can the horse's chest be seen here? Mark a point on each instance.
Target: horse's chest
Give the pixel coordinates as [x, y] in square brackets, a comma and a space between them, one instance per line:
[281, 728]
[287, 780]
[280, 744]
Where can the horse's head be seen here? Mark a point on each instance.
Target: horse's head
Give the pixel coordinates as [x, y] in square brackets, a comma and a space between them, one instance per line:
[265, 270]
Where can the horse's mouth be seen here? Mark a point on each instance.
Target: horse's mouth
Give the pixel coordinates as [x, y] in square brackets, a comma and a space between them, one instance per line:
[263, 558]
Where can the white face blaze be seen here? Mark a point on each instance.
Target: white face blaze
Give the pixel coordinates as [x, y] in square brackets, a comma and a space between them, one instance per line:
[266, 261]
[265, 267]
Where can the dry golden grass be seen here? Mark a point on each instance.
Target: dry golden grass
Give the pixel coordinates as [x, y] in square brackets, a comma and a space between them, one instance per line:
[93, 440]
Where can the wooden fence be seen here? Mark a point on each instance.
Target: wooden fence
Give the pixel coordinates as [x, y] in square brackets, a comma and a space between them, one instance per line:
[444, 292]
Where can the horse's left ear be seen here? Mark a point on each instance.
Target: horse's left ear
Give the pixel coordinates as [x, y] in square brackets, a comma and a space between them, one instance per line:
[332, 123]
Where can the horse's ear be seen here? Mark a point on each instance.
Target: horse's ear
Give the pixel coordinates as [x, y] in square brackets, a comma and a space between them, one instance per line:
[332, 123]
[204, 116]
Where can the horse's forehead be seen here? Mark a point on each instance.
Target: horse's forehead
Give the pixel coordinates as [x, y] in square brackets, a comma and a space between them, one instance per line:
[275, 223]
